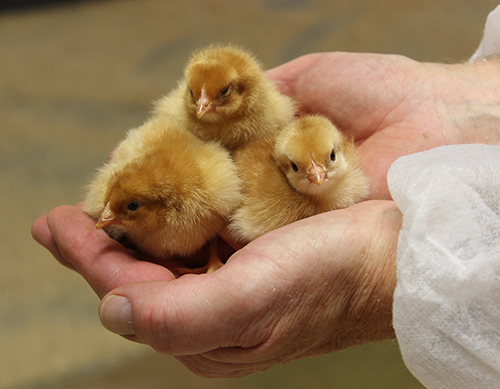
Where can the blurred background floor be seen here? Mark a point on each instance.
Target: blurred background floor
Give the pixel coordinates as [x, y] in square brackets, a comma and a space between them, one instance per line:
[74, 76]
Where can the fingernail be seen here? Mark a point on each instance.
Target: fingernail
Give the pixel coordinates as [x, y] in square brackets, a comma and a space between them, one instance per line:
[116, 315]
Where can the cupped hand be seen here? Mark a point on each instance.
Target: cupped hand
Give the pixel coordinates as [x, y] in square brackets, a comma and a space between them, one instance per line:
[316, 286]
[393, 106]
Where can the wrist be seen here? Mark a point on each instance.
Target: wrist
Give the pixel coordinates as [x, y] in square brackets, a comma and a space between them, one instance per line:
[374, 298]
[361, 296]
[474, 110]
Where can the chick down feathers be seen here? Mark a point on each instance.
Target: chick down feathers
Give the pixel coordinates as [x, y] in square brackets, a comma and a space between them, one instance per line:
[165, 190]
[226, 97]
[309, 168]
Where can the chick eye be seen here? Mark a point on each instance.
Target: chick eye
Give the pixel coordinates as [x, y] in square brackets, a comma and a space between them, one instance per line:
[133, 206]
[226, 91]
[191, 93]
[332, 156]
[294, 167]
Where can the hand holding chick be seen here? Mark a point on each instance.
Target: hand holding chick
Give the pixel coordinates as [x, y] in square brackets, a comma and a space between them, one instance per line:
[226, 97]
[309, 168]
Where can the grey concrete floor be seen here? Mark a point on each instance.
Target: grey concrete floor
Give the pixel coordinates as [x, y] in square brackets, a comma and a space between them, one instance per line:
[74, 77]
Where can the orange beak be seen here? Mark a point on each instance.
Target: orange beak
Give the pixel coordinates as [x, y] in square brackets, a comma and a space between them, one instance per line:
[107, 218]
[205, 104]
[316, 174]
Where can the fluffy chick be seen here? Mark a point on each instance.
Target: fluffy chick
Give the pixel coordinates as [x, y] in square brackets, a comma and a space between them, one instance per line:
[164, 190]
[309, 168]
[225, 96]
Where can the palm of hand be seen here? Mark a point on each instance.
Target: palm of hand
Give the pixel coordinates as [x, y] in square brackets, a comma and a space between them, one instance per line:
[296, 277]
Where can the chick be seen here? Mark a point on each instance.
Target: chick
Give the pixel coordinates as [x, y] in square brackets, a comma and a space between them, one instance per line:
[165, 191]
[225, 96]
[309, 168]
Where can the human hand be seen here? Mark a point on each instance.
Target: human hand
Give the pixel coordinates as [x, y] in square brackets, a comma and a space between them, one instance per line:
[72, 238]
[393, 106]
[319, 285]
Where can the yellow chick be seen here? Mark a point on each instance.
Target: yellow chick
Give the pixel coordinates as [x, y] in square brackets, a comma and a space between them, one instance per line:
[165, 190]
[309, 168]
[225, 96]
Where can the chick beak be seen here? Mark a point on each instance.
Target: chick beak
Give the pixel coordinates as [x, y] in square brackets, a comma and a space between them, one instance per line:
[107, 218]
[205, 104]
[316, 174]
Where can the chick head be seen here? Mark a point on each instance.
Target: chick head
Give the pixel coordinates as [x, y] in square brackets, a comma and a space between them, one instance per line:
[311, 153]
[220, 80]
[146, 193]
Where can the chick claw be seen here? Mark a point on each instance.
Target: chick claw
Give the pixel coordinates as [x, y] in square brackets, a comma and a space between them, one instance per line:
[212, 265]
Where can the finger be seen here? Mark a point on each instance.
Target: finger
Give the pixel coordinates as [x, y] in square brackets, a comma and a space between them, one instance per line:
[356, 91]
[286, 77]
[195, 313]
[207, 368]
[233, 310]
[41, 233]
[102, 261]
[169, 316]
[330, 84]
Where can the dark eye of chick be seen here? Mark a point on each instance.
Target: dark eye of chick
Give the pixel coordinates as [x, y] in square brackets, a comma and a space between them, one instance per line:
[133, 206]
[226, 91]
[332, 155]
[294, 167]
[191, 93]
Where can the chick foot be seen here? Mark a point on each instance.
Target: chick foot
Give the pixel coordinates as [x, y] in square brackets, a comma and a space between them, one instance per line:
[214, 262]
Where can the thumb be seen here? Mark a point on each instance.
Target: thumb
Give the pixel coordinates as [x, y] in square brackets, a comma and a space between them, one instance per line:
[186, 316]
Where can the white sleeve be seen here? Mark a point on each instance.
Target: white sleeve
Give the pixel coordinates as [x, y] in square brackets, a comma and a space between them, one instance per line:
[447, 298]
[490, 44]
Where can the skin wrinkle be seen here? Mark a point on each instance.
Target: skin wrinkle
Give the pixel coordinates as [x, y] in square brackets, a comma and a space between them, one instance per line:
[85, 249]
[311, 307]
[220, 369]
[399, 113]
[75, 245]
[364, 300]
[272, 318]
[293, 85]
[301, 83]
[461, 106]
[169, 319]
[97, 236]
[46, 239]
[295, 300]
[324, 305]
[153, 322]
[115, 276]
[386, 251]
[255, 349]
[477, 127]
[243, 336]
[383, 79]
[246, 325]
[437, 107]
[235, 354]
[171, 308]
[335, 318]
[272, 261]
[185, 322]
